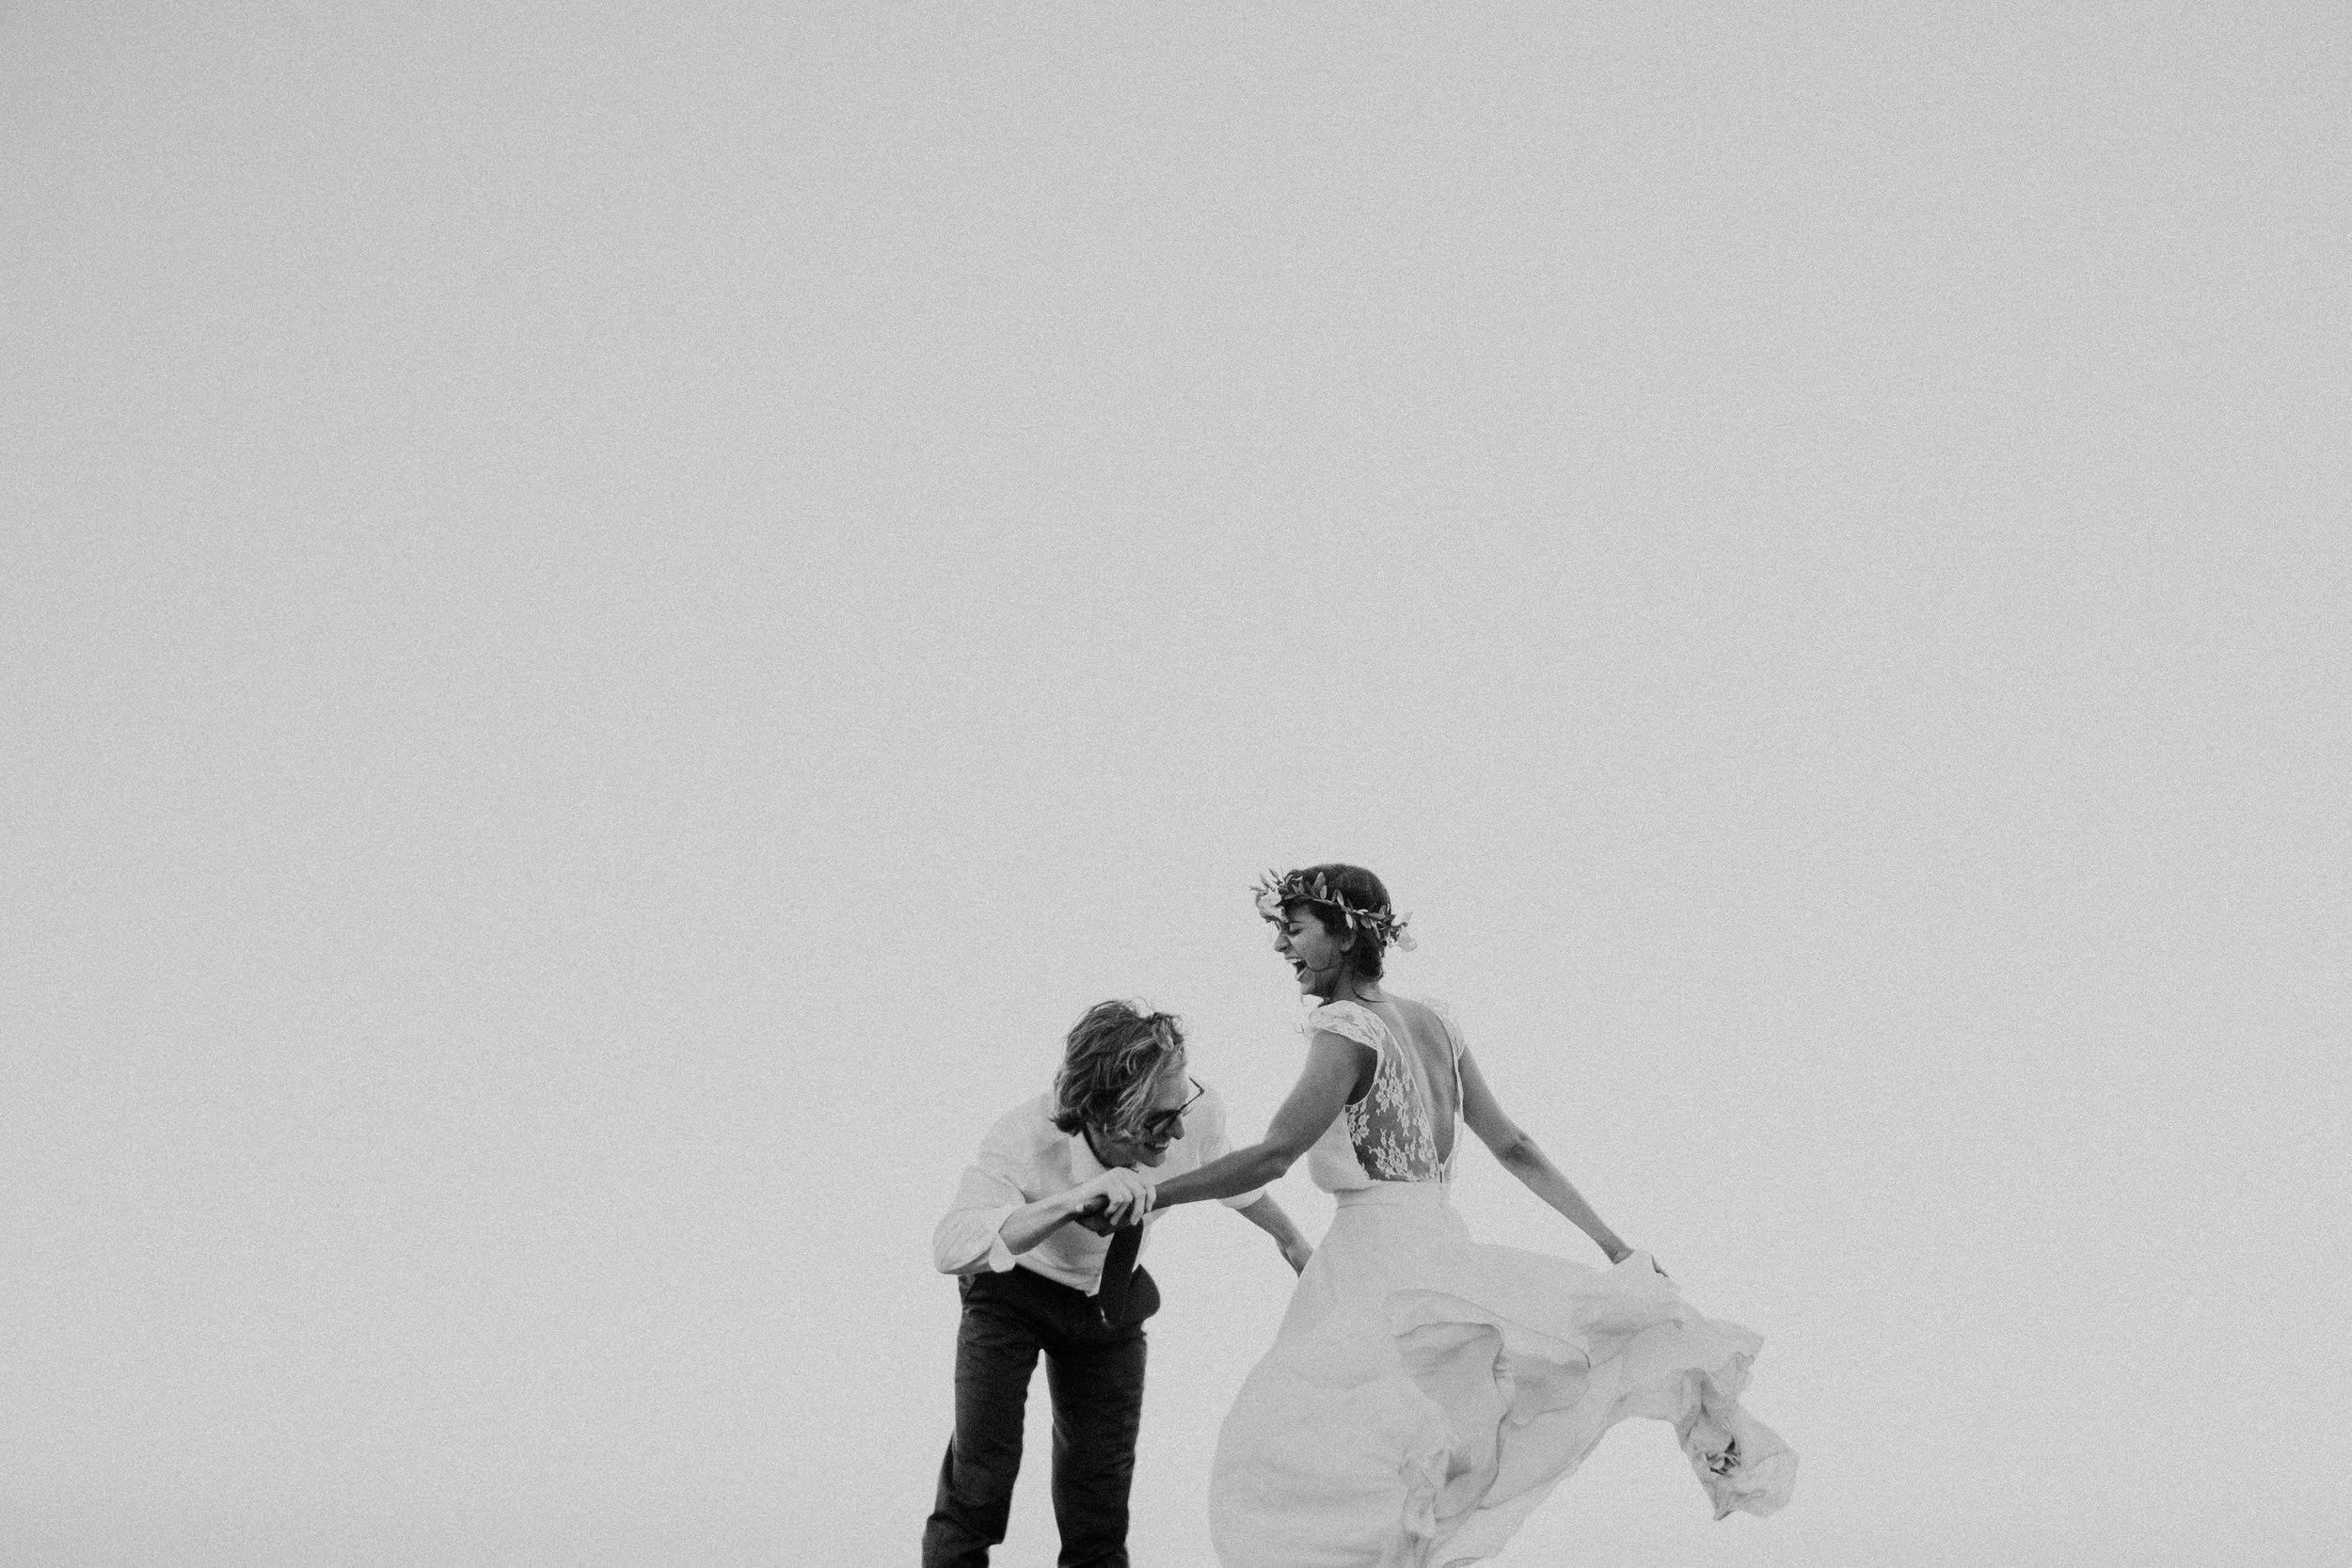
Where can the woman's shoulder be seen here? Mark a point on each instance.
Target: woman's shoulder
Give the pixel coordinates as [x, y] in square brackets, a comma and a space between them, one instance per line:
[1431, 1013]
[1348, 1020]
[1416, 1014]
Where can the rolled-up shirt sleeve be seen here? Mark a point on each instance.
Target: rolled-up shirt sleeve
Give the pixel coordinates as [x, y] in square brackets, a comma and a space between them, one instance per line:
[968, 1238]
[1207, 1123]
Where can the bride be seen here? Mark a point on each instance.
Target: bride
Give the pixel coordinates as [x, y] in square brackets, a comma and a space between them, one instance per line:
[1426, 1391]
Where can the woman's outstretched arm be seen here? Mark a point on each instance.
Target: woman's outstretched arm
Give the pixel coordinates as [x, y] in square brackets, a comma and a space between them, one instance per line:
[1335, 1065]
[1521, 1158]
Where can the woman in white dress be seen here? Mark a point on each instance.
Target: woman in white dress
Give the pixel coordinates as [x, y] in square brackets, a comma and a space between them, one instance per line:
[1426, 1391]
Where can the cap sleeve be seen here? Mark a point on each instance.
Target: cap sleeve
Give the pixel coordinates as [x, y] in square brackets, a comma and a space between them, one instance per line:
[1347, 1019]
[1452, 1025]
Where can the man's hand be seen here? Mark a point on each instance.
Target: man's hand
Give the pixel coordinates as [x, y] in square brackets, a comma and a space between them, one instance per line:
[1116, 1197]
[1129, 1196]
[1267, 1215]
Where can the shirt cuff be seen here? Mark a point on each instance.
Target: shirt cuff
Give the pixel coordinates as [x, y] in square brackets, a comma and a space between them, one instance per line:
[973, 1225]
[999, 1254]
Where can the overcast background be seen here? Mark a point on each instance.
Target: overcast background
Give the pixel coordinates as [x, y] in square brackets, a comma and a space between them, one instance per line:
[615, 615]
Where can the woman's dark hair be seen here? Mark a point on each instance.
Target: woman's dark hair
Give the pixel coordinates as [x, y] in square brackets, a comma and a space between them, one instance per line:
[1108, 1063]
[1362, 891]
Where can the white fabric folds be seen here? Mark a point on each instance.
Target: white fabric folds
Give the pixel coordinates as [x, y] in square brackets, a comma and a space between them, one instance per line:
[1427, 1391]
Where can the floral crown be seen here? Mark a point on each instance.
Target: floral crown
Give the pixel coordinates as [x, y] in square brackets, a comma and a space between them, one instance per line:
[1295, 887]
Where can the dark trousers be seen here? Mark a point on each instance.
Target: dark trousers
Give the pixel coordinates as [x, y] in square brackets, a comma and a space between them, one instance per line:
[1094, 1372]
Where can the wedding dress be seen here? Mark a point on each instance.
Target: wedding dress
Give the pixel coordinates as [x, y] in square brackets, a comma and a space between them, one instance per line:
[1426, 1391]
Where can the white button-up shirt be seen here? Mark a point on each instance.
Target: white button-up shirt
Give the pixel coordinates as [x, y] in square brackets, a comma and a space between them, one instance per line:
[1024, 1158]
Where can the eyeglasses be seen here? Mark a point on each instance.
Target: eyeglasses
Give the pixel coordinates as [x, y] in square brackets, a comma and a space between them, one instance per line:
[1167, 1124]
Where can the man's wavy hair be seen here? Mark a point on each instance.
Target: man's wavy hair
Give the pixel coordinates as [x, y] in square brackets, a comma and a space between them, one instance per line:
[1109, 1064]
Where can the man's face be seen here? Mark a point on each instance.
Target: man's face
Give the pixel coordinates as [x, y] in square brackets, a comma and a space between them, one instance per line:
[1148, 1145]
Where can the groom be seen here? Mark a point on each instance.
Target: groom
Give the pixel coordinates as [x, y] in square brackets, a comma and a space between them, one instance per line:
[1033, 1282]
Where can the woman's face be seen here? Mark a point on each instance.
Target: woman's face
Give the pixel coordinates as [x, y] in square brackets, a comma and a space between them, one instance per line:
[1313, 954]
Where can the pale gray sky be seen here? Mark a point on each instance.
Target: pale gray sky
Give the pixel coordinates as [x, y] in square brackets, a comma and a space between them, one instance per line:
[614, 616]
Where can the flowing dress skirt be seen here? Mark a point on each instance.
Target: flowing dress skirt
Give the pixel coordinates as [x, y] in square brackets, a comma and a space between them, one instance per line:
[1426, 1391]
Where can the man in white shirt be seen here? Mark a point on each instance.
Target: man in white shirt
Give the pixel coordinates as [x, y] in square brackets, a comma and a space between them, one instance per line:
[1034, 1282]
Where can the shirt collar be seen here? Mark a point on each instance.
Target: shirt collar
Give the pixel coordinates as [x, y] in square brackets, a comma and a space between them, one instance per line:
[1083, 1164]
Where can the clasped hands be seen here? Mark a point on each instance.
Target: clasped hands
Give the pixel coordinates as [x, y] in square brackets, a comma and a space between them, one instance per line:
[1117, 1198]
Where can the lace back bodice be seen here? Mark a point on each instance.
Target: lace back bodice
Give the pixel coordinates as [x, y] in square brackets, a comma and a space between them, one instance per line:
[1392, 1130]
